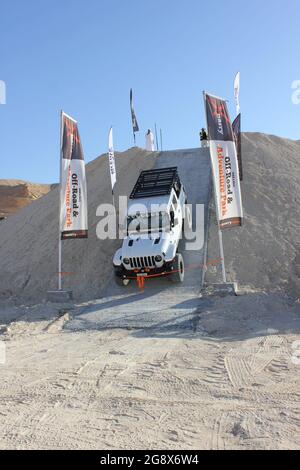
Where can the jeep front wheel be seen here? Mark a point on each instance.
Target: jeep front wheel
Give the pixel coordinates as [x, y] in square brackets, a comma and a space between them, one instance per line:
[178, 269]
[120, 281]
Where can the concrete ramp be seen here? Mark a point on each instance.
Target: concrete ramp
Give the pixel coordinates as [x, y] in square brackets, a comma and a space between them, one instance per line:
[162, 304]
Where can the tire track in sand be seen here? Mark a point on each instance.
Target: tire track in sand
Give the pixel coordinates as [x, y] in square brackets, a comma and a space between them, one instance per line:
[243, 364]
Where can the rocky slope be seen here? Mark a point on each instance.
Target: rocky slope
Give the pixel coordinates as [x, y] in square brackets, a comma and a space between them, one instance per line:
[16, 194]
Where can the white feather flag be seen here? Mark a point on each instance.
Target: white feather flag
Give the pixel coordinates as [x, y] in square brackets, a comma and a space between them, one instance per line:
[111, 157]
[237, 92]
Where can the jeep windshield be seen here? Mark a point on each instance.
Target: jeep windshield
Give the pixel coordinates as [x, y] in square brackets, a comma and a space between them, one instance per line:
[147, 223]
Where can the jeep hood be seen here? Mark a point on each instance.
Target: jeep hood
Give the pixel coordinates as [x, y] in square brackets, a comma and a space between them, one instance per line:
[144, 246]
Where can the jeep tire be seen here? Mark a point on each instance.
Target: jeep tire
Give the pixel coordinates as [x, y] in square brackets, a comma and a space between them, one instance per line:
[120, 281]
[178, 267]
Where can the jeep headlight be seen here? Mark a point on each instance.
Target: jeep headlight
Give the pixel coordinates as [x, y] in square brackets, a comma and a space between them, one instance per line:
[158, 259]
[126, 261]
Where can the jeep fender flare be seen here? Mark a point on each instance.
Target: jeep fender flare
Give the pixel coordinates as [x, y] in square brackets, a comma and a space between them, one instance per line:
[117, 259]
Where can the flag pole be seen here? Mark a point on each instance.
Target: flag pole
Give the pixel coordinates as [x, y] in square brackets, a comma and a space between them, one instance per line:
[111, 156]
[217, 211]
[59, 228]
[133, 119]
[156, 138]
[161, 146]
[222, 254]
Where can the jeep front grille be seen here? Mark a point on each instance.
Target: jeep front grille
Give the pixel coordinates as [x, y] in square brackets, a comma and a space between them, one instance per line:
[142, 262]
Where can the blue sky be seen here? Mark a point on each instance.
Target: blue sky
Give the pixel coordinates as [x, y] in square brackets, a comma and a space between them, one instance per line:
[83, 57]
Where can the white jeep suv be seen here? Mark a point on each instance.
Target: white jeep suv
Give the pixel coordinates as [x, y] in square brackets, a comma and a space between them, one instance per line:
[154, 226]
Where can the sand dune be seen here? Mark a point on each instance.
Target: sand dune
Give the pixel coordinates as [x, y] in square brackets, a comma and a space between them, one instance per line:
[263, 254]
[28, 250]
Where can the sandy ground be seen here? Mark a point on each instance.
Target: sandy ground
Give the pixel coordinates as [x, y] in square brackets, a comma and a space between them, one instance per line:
[224, 380]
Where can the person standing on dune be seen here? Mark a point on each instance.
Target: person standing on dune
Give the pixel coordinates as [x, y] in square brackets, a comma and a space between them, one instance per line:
[203, 138]
[150, 141]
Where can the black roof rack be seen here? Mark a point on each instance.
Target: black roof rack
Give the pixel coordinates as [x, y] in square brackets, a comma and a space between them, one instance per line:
[157, 182]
